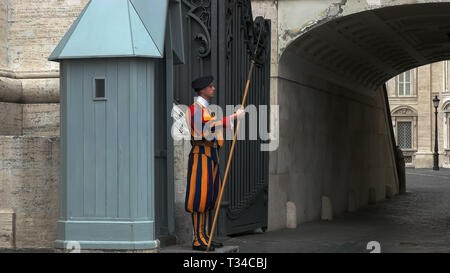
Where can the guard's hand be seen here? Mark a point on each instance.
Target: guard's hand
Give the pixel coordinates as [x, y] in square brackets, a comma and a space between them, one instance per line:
[239, 114]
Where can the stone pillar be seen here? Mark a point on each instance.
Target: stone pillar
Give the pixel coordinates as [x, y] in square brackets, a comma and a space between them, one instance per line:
[278, 181]
[183, 220]
[437, 87]
[424, 155]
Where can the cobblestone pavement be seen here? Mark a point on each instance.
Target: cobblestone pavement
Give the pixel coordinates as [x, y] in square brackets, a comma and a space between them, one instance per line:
[417, 221]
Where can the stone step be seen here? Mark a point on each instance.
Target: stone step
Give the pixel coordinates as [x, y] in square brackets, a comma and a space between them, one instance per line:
[188, 249]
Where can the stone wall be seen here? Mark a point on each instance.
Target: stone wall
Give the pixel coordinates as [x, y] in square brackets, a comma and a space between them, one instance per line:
[11, 119]
[29, 119]
[29, 176]
[35, 28]
[331, 147]
[3, 33]
[41, 119]
[29, 33]
[7, 228]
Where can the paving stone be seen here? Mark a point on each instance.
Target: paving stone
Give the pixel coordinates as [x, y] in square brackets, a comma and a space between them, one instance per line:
[417, 221]
[187, 248]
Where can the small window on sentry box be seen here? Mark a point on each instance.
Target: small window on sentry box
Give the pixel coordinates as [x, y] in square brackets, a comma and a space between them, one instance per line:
[99, 89]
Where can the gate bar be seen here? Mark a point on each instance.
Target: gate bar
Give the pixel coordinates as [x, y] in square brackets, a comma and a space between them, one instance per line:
[249, 77]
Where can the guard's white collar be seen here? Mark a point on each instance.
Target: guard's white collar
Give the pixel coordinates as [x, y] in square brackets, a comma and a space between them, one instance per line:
[202, 101]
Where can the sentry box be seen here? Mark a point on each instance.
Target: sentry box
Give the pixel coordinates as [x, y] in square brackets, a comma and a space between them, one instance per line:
[111, 79]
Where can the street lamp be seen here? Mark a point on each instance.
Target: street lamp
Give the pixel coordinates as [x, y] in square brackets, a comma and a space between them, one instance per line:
[436, 155]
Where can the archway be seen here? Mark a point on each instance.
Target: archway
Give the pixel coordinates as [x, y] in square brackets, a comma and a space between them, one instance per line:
[336, 150]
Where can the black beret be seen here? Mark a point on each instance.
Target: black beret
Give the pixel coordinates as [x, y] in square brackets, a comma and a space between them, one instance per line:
[202, 82]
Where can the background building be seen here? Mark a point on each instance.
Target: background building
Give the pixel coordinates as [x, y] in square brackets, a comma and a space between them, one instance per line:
[413, 118]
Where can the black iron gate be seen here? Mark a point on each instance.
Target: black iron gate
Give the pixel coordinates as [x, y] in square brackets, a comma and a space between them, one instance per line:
[245, 202]
[219, 37]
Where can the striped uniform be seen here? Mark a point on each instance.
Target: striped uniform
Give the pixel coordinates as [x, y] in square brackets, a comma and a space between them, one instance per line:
[203, 176]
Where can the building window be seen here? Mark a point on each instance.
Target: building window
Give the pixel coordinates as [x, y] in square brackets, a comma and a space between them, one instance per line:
[446, 110]
[404, 84]
[99, 88]
[448, 131]
[99, 92]
[408, 159]
[404, 135]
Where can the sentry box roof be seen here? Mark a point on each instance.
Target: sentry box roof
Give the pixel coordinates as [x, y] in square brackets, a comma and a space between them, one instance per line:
[116, 28]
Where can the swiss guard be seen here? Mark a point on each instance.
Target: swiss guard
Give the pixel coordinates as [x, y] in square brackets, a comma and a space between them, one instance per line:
[203, 177]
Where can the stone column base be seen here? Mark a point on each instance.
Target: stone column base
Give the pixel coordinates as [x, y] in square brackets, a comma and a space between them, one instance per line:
[426, 160]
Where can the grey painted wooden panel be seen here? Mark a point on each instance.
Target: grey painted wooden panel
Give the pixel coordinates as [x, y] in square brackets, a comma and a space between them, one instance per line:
[151, 133]
[133, 138]
[111, 139]
[124, 139]
[143, 139]
[63, 141]
[99, 117]
[75, 140]
[100, 158]
[110, 150]
[89, 143]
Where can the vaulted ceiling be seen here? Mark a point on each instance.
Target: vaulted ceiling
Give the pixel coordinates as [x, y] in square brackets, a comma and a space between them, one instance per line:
[370, 47]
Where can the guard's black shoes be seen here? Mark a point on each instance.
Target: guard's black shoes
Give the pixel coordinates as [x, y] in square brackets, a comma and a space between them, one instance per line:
[216, 244]
[203, 248]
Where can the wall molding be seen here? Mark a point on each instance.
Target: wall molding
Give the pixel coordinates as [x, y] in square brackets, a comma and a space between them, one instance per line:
[29, 87]
[29, 74]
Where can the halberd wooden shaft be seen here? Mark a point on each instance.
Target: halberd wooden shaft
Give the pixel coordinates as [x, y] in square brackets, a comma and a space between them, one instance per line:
[249, 77]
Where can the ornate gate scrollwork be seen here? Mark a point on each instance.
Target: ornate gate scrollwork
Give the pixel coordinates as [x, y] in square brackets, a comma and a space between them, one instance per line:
[200, 11]
[251, 29]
